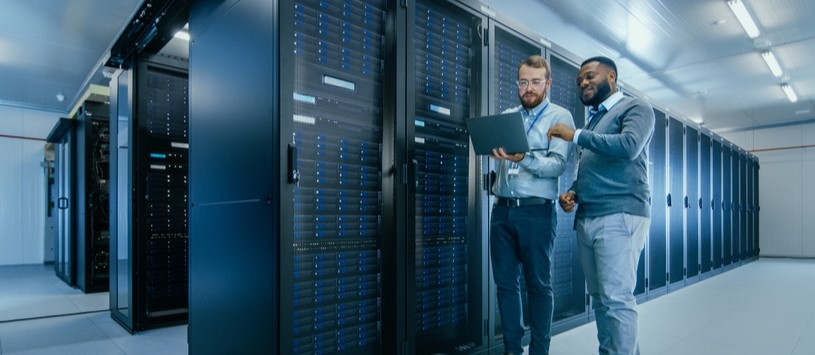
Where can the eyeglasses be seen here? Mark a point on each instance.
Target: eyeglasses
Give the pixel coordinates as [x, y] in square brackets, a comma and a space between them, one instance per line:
[536, 83]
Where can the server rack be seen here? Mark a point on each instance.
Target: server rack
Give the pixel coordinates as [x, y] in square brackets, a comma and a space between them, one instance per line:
[445, 65]
[693, 203]
[756, 208]
[148, 265]
[507, 50]
[717, 199]
[736, 182]
[706, 205]
[727, 205]
[676, 225]
[92, 205]
[744, 183]
[657, 239]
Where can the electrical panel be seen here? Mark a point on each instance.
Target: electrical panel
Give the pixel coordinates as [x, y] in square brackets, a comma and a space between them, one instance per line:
[337, 136]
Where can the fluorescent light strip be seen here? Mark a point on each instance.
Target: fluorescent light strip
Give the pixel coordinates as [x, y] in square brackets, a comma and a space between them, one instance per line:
[769, 58]
[790, 93]
[744, 18]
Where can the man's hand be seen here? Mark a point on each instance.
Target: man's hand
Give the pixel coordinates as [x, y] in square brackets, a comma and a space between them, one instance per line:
[500, 153]
[561, 131]
[568, 201]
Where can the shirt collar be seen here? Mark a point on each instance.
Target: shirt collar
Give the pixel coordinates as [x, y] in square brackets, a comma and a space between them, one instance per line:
[612, 100]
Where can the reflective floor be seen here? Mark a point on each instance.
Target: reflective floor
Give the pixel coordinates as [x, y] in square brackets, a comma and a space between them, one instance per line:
[764, 307]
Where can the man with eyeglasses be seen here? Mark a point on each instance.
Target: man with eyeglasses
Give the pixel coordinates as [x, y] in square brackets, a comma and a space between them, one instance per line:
[524, 220]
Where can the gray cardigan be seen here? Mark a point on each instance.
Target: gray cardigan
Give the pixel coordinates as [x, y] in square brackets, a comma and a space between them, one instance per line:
[612, 175]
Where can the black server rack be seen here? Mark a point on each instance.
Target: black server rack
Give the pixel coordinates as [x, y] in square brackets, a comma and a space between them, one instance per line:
[717, 204]
[444, 244]
[756, 208]
[568, 279]
[149, 263]
[693, 203]
[92, 205]
[727, 205]
[736, 182]
[508, 51]
[676, 224]
[705, 209]
[332, 261]
[749, 208]
[657, 240]
[744, 181]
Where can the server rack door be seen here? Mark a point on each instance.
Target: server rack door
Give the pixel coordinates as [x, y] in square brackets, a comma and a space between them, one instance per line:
[744, 183]
[121, 164]
[692, 203]
[568, 280]
[508, 50]
[727, 206]
[756, 209]
[64, 261]
[749, 207]
[443, 66]
[160, 146]
[717, 203]
[676, 209]
[657, 240]
[705, 212]
[236, 177]
[332, 108]
[736, 204]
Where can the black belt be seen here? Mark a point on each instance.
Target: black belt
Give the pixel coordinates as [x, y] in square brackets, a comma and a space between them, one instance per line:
[518, 202]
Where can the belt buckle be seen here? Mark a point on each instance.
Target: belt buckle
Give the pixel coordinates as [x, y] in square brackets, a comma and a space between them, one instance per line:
[515, 202]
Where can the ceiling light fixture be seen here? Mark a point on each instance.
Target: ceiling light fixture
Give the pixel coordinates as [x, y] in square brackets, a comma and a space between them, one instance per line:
[182, 35]
[790, 93]
[744, 17]
[60, 97]
[769, 58]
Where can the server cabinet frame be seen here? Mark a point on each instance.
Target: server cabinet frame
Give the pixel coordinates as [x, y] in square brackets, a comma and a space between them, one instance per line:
[92, 205]
[717, 204]
[435, 115]
[727, 206]
[706, 207]
[676, 208]
[63, 136]
[143, 285]
[692, 204]
[657, 244]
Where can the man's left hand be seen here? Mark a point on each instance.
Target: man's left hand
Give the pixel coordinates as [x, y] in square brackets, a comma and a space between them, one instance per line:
[500, 153]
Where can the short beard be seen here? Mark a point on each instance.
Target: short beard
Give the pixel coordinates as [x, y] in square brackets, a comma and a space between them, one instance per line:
[602, 92]
[534, 103]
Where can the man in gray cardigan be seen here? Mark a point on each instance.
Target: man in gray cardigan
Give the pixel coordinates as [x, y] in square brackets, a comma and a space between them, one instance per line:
[612, 195]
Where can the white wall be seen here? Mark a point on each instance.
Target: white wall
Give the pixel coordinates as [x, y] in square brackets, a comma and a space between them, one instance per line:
[22, 184]
[786, 191]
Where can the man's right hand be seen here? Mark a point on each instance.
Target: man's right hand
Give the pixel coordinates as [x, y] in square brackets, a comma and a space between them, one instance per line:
[568, 201]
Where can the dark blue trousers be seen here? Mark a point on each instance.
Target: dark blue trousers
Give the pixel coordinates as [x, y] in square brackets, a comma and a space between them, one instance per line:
[522, 238]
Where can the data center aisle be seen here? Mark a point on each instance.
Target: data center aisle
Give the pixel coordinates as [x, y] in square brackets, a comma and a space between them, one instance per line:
[764, 307]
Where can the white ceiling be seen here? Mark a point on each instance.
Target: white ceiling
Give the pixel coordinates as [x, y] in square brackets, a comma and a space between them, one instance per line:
[48, 47]
[689, 56]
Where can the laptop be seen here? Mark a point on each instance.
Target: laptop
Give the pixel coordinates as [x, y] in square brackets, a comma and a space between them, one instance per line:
[505, 130]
